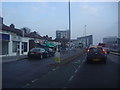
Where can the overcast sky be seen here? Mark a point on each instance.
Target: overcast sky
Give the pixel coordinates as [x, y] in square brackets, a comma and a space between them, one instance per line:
[101, 18]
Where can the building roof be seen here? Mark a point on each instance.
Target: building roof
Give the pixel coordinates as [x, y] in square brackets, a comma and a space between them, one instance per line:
[84, 37]
[19, 32]
[33, 35]
[11, 29]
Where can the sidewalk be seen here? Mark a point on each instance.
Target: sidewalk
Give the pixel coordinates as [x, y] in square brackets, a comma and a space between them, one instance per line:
[13, 58]
[115, 53]
[64, 55]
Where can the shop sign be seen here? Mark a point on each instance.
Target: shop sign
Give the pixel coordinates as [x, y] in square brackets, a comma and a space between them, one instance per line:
[4, 37]
[41, 41]
[36, 41]
[16, 38]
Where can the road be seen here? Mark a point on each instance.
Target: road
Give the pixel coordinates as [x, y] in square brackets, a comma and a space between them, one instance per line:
[76, 74]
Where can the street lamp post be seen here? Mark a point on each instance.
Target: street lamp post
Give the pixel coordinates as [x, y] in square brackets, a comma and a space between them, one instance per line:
[85, 36]
[69, 25]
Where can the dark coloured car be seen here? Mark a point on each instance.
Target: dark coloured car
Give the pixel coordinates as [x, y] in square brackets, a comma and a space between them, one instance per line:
[37, 53]
[50, 51]
[107, 50]
[96, 54]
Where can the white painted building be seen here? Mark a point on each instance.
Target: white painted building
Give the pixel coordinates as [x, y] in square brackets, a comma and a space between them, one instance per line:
[13, 43]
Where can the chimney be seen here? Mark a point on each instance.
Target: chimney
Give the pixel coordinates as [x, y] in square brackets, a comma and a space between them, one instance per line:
[12, 26]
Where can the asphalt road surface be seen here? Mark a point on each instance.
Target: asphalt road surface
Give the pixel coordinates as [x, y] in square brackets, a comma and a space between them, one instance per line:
[76, 74]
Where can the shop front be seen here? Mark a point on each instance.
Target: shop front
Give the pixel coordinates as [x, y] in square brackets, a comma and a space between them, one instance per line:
[5, 38]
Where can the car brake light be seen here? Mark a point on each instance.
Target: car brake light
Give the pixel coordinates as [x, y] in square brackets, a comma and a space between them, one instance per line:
[104, 51]
[88, 50]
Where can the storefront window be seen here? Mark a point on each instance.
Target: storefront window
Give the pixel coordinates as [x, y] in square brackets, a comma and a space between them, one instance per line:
[15, 46]
[25, 46]
[4, 47]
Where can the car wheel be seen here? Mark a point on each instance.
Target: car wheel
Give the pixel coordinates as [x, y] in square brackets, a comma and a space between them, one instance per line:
[88, 61]
[104, 62]
[47, 55]
[29, 58]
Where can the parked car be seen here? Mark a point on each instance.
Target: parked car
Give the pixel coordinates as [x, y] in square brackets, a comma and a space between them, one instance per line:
[37, 53]
[50, 51]
[96, 54]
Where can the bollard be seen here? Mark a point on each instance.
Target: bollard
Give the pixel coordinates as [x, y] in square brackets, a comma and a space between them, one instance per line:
[57, 57]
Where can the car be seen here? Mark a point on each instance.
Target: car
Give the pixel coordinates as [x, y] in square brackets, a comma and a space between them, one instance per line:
[50, 51]
[37, 53]
[96, 54]
[107, 50]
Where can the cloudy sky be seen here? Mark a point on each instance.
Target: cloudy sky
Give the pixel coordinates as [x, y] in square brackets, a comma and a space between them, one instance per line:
[101, 18]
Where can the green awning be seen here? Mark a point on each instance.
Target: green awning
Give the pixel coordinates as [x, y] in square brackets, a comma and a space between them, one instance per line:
[49, 45]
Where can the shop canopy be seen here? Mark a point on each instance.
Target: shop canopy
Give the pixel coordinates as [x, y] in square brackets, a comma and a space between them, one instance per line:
[49, 45]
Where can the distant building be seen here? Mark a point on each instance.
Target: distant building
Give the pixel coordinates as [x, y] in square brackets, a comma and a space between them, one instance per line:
[62, 34]
[86, 40]
[75, 42]
[111, 42]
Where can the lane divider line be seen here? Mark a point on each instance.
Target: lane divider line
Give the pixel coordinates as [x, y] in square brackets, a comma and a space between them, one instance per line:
[78, 60]
[79, 66]
[34, 80]
[53, 69]
[26, 85]
[76, 70]
[75, 62]
[71, 78]
[58, 67]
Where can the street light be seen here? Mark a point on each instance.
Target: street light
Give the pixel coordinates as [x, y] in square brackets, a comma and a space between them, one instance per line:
[85, 36]
[69, 25]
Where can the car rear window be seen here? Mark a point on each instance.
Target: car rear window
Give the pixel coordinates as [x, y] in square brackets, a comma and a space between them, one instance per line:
[35, 49]
[42, 50]
[50, 49]
[95, 49]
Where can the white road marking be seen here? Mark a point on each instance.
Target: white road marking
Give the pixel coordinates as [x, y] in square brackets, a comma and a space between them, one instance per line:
[53, 69]
[75, 62]
[76, 70]
[83, 61]
[71, 78]
[34, 80]
[79, 66]
[26, 85]
[58, 67]
[78, 60]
